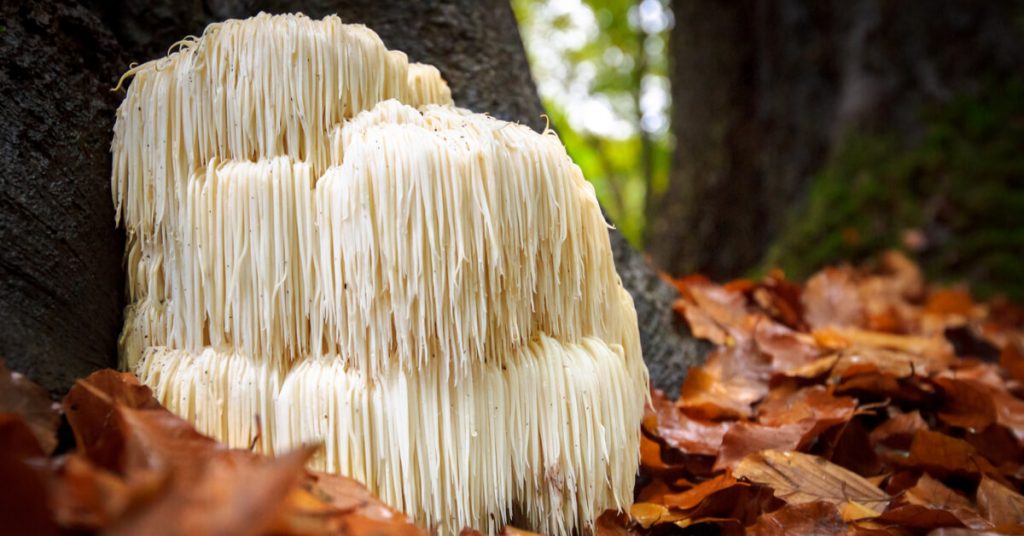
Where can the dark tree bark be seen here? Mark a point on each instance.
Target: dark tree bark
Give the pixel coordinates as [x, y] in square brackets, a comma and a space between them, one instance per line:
[60, 256]
[764, 90]
[475, 44]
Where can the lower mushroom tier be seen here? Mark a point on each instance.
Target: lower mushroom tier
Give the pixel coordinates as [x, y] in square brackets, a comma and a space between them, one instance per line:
[551, 439]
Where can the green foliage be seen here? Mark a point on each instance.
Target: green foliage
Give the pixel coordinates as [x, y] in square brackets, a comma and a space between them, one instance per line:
[610, 63]
[956, 197]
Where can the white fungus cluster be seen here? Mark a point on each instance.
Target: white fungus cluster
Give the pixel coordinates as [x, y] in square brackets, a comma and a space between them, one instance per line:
[321, 247]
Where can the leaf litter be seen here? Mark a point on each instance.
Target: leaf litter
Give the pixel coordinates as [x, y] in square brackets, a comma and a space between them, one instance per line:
[862, 402]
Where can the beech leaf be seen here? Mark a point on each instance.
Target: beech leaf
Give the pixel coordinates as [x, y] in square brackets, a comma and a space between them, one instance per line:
[799, 478]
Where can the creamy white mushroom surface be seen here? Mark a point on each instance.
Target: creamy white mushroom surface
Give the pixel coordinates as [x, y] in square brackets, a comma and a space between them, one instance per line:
[321, 247]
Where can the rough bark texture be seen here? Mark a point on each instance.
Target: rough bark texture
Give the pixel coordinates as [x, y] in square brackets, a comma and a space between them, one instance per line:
[756, 110]
[475, 44]
[60, 256]
[61, 315]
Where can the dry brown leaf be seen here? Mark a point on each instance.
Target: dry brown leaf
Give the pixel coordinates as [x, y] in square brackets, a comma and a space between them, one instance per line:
[966, 404]
[1009, 412]
[17, 440]
[691, 436]
[897, 364]
[649, 514]
[87, 497]
[999, 504]
[719, 310]
[927, 354]
[1012, 359]
[780, 299]
[953, 301]
[831, 298]
[141, 469]
[612, 523]
[813, 403]
[20, 396]
[225, 497]
[23, 495]
[855, 511]
[919, 517]
[90, 407]
[943, 455]
[693, 497]
[934, 495]
[852, 449]
[898, 431]
[746, 438]
[802, 478]
[727, 385]
[806, 519]
[788, 349]
[815, 369]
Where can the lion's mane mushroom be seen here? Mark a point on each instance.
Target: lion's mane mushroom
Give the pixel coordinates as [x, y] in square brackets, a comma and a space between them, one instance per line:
[428, 291]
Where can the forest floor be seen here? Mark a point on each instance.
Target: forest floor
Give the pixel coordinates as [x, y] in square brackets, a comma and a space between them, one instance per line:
[862, 402]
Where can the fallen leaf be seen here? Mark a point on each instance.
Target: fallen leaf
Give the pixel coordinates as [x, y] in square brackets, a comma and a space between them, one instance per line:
[727, 385]
[815, 369]
[788, 349]
[90, 407]
[934, 495]
[934, 352]
[852, 449]
[831, 298]
[802, 478]
[811, 519]
[1011, 357]
[854, 511]
[813, 403]
[17, 440]
[1009, 412]
[692, 497]
[746, 438]
[87, 497]
[898, 364]
[966, 404]
[943, 455]
[649, 514]
[691, 436]
[20, 396]
[918, 517]
[899, 430]
[612, 523]
[780, 299]
[999, 504]
[227, 497]
[953, 301]
[716, 313]
[23, 495]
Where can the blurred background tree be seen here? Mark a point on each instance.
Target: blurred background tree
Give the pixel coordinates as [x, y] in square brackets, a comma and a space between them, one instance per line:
[730, 137]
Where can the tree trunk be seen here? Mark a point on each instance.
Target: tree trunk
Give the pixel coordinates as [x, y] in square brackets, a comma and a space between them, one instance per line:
[475, 44]
[764, 90]
[60, 256]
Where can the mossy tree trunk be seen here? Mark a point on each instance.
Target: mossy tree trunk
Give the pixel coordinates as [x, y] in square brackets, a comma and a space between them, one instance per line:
[765, 90]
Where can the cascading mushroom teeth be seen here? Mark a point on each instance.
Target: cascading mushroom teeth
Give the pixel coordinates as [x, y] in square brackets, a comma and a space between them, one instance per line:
[321, 243]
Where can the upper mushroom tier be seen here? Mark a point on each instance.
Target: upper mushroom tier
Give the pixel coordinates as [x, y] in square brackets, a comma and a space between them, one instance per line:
[282, 202]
